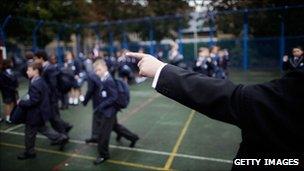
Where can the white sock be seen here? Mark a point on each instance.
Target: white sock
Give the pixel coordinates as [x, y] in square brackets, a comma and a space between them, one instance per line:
[75, 101]
[71, 100]
[81, 98]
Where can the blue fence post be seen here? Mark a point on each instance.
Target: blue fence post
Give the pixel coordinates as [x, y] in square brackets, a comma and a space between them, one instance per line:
[180, 37]
[282, 40]
[124, 38]
[211, 28]
[2, 30]
[151, 38]
[95, 27]
[34, 35]
[180, 42]
[97, 32]
[78, 39]
[245, 40]
[59, 50]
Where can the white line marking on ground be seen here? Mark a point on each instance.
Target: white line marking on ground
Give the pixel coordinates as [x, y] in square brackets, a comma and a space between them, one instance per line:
[138, 149]
[12, 128]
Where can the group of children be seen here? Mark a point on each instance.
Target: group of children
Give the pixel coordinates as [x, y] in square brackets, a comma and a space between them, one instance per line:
[41, 103]
[212, 62]
[99, 70]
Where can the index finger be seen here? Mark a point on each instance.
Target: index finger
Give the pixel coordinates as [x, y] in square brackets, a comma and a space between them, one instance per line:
[136, 55]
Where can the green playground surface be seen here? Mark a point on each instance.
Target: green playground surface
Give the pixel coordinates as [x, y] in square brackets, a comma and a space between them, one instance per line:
[172, 136]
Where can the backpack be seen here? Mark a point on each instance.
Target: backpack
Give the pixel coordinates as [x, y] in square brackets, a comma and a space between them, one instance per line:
[123, 94]
[65, 80]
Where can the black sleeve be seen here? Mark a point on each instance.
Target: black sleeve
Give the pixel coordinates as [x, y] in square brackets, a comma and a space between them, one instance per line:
[78, 66]
[52, 77]
[219, 99]
[35, 97]
[90, 90]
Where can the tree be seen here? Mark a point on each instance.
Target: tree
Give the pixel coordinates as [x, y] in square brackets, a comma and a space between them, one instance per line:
[266, 23]
[65, 14]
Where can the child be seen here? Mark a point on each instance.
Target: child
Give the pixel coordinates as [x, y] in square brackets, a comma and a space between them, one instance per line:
[214, 54]
[174, 57]
[75, 68]
[104, 93]
[8, 86]
[50, 73]
[203, 63]
[296, 61]
[224, 61]
[38, 111]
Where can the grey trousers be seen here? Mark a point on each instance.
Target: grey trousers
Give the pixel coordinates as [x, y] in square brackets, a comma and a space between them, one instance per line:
[95, 128]
[105, 125]
[56, 121]
[31, 132]
[119, 129]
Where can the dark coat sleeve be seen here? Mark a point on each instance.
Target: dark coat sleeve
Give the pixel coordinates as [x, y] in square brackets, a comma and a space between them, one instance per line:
[219, 99]
[51, 75]
[90, 90]
[78, 66]
[35, 97]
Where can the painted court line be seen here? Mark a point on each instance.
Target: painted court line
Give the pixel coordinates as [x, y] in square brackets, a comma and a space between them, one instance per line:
[178, 142]
[136, 109]
[139, 150]
[13, 128]
[129, 164]
[59, 166]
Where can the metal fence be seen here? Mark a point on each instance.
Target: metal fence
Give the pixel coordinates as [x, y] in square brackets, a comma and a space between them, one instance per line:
[246, 52]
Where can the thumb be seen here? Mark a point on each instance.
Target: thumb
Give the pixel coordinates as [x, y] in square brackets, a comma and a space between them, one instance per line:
[136, 55]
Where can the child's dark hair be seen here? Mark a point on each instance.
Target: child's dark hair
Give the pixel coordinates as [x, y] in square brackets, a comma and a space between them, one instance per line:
[29, 55]
[41, 54]
[36, 66]
[298, 47]
[7, 63]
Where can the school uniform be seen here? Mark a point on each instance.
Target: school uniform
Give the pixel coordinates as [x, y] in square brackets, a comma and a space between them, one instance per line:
[88, 65]
[174, 57]
[111, 64]
[217, 71]
[104, 94]
[122, 131]
[38, 112]
[203, 65]
[50, 73]
[8, 85]
[293, 63]
[124, 69]
[270, 114]
[224, 61]
[75, 67]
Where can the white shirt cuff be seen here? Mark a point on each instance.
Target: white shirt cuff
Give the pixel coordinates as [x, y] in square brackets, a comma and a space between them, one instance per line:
[155, 80]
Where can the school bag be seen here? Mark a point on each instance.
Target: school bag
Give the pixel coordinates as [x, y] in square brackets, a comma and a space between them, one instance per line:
[18, 115]
[123, 94]
[65, 80]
